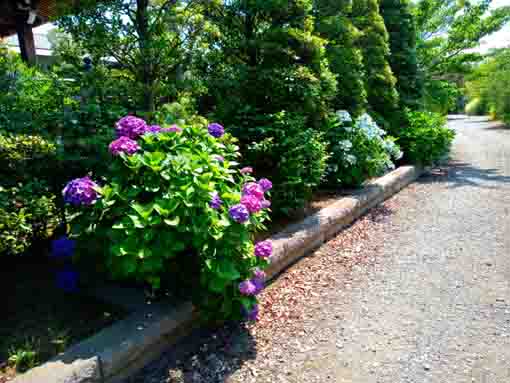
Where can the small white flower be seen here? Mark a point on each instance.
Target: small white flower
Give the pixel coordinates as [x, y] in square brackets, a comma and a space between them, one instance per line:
[351, 159]
[345, 145]
[343, 116]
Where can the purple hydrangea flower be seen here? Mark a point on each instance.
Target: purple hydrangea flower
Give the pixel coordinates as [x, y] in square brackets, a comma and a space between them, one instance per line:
[253, 189]
[215, 202]
[265, 204]
[63, 247]
[264, 249]
[123, 145]
[219, 158]
[258, 280]
[265, 184]
[239, 213]
[80, 191]
[173, 128]
[67, 280]
[253, 314]
[153, 129]
[252, 203]
[131, 126]
[247, 288]
[216, 130]
[246, 170]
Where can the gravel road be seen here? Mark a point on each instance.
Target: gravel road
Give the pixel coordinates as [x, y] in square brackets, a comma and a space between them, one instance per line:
[416, 291]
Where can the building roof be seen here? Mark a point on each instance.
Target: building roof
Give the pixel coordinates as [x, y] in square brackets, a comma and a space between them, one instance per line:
[8, 9]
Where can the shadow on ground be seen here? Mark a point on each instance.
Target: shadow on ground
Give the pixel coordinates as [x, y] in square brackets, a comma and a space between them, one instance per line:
[459, 174]
[206, 355]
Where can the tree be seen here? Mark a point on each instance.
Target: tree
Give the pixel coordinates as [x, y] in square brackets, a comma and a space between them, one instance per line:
[267, 58]
[401, 27]
[380, 81]
[149, 39]
[269, 82]
[334, 24]
[446, 30]
[488, 87]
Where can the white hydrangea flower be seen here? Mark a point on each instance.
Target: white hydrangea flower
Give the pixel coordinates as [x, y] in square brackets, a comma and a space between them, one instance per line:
[343, 116]
[351, 159]
[393, 149]
[345, 145]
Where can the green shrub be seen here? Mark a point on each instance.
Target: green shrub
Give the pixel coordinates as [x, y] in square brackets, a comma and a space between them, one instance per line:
[294, 155]
[427, 138]
[475, 107]
[359, 150]
[380, 81]
[158, 207]
[27, 214]
[27, 202]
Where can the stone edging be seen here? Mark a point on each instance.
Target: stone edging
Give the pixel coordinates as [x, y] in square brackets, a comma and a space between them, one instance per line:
[118, 351]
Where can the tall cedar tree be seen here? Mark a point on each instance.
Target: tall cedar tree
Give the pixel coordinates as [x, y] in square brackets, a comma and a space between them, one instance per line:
[403, 60]
[264, 60]
[334, 24]
[380, 81]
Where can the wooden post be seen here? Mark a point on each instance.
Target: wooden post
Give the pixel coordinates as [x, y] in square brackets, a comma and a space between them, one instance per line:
[25, 38]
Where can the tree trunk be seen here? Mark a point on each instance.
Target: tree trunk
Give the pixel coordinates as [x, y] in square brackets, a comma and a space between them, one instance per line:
[142, 21]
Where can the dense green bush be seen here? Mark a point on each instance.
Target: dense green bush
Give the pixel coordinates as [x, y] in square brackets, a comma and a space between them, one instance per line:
[175, 195]
[27, 202]
[426, 139]
[379, 81]
[265, 65]
[334, 24]
[400, 23]
[488, 87]
[295, 155]
[359, 150]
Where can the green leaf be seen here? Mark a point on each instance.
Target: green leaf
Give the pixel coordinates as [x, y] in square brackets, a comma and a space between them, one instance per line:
[144, 210]
[227, 270]
[172, 222]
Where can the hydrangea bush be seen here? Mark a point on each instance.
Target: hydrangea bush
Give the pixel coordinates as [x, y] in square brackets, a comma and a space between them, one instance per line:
[177, 192]
[360, 149]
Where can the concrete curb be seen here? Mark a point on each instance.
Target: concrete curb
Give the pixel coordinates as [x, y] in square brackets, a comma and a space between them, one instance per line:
[120, 350]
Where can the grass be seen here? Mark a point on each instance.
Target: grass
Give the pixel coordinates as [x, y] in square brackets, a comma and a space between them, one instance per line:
[42, 321]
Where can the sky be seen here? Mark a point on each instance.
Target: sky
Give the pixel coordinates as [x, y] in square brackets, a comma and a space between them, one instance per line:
[499, 39]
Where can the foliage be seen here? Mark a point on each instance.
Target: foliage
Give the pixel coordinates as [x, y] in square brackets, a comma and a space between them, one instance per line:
[359, 150]
[151, 40]
[27, 206]
[334, 24]
[26, 212]
[401, 27]
[380, 81]
[271, 43]
[179, 200]
[441, 96]
[489, 87]
[427, 138]
[296, 155]
[447, 29]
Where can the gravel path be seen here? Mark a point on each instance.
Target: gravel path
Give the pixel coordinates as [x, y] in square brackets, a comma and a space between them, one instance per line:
[416, 291]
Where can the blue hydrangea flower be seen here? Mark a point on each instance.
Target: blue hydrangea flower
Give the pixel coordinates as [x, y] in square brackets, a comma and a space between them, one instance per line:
[239, 213]
[81, 191]
[216, 130]
[63, 247]
[67, 280]
[252, 314]
[215, 202]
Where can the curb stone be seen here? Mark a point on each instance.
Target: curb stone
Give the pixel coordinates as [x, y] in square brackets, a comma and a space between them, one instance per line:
[122, 349]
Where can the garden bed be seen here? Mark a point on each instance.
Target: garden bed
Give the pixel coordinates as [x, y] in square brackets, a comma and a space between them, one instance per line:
[41, 321]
